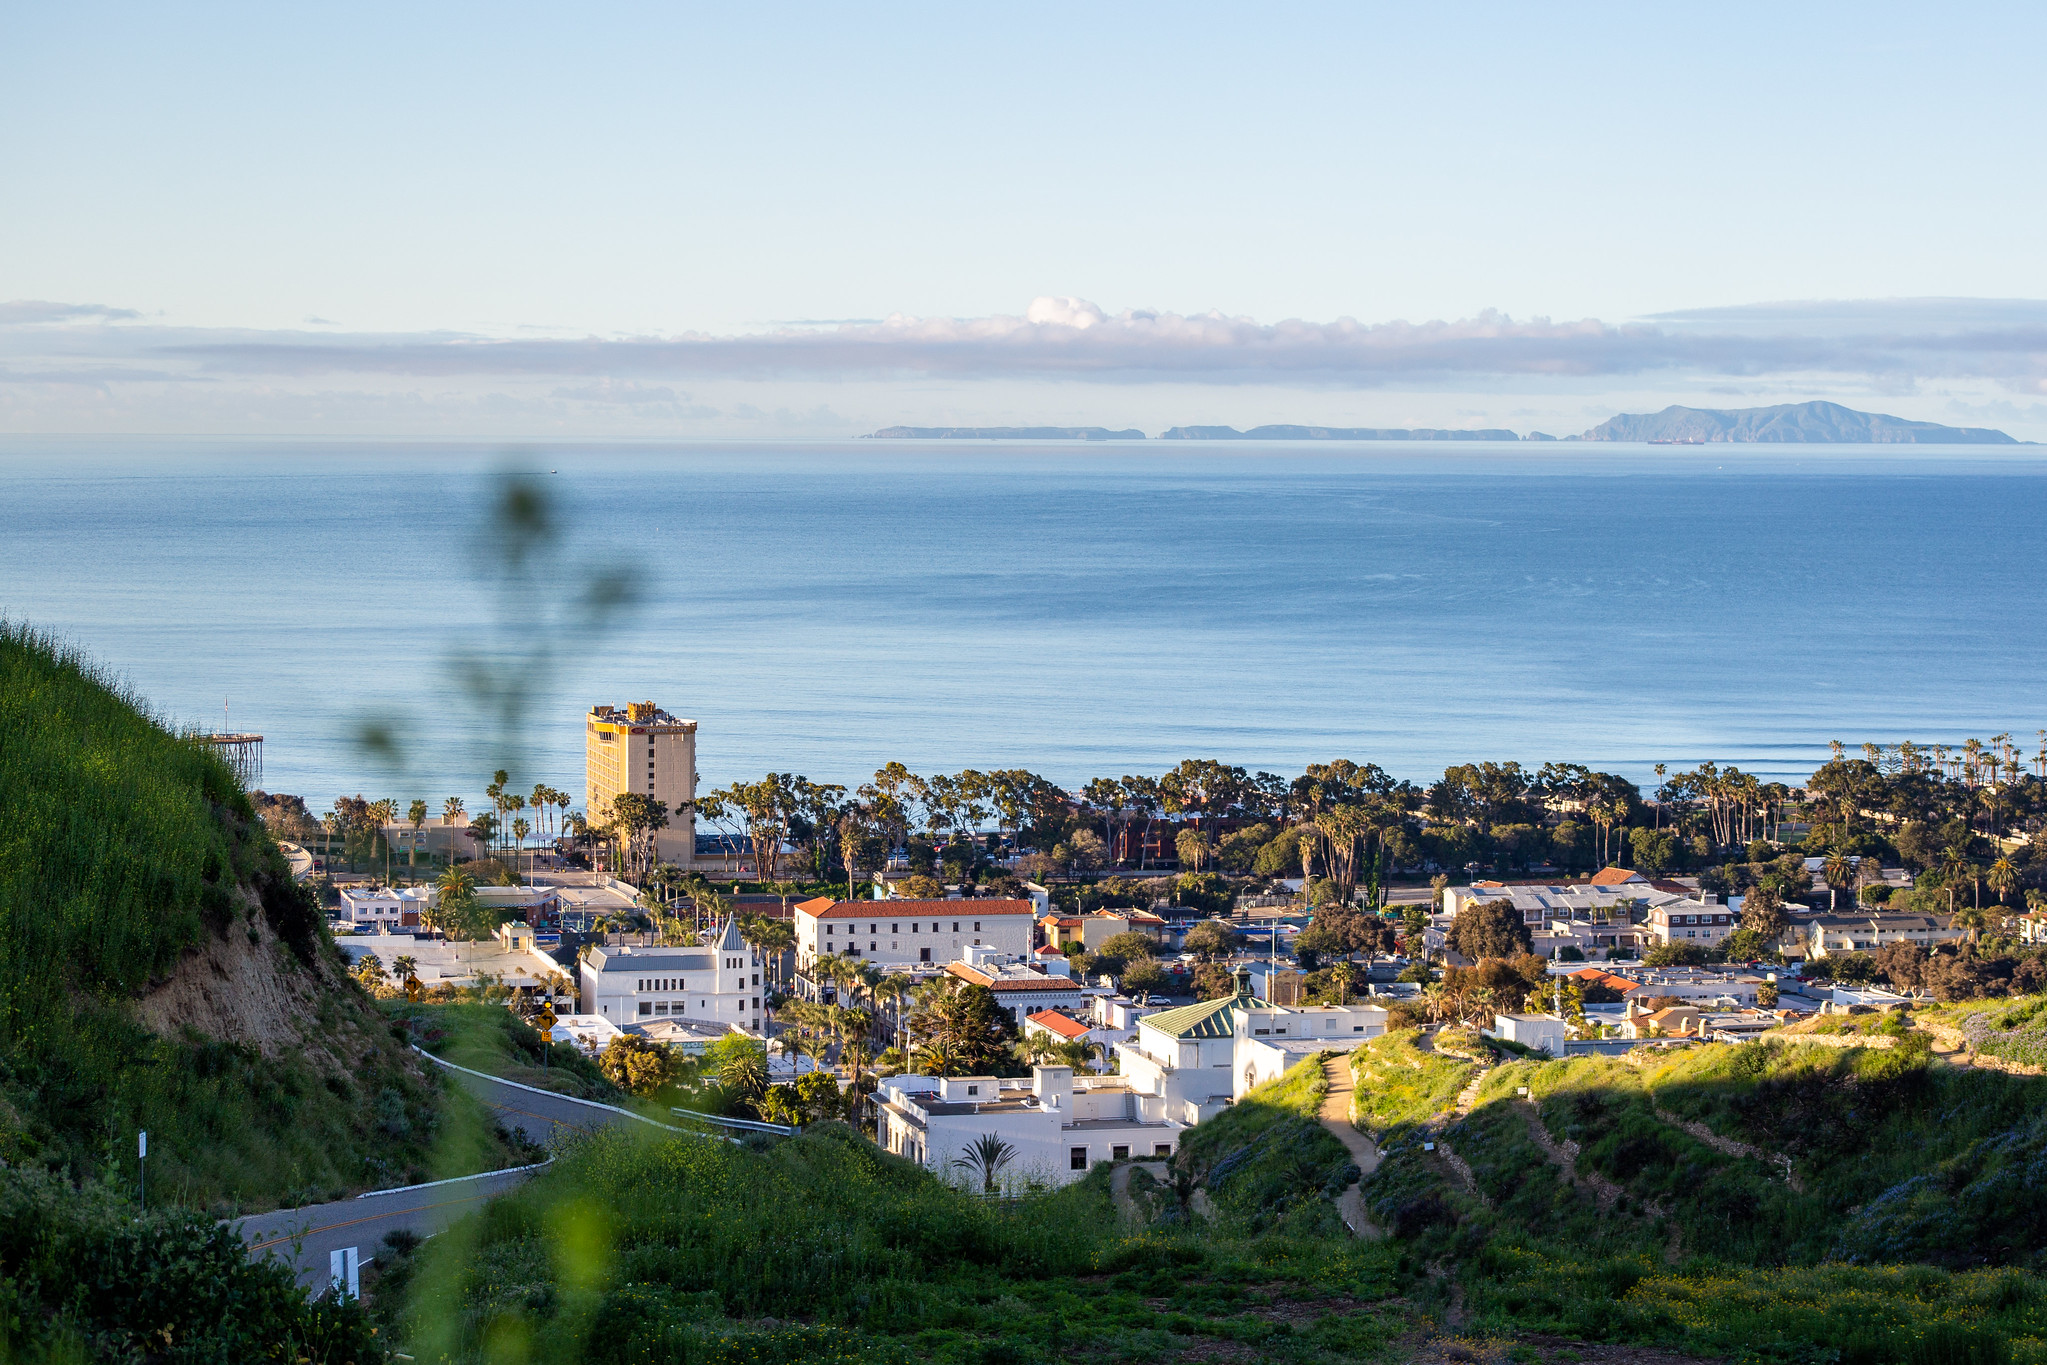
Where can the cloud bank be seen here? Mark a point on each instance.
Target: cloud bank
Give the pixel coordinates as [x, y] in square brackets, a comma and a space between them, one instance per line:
[1067, 338]
[65, 366]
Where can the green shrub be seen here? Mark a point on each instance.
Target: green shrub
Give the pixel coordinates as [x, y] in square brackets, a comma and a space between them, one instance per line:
[82, 1274]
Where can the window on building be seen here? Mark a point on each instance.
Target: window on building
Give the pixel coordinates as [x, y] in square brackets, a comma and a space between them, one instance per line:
[1077, 1158]
[923, 954]
[646, 1007]
[977, 926]
[895, 928]
[955, 926]
[973, 1090]
[1120, 1152]
[1162, 1149]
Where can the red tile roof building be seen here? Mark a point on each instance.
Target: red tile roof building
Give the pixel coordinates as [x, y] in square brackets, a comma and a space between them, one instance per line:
[904, 935]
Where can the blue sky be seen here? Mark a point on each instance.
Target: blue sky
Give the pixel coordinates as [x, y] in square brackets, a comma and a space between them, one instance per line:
[234, 180]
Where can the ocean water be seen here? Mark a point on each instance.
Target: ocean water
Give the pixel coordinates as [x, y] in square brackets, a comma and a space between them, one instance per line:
[1079, 611]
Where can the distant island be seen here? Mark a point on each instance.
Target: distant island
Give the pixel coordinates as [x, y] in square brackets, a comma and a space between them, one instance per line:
[1814, 423]
[1804, 423]
[1291, 433]
[1003, 434]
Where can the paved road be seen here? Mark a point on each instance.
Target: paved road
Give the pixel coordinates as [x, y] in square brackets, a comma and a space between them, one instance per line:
[540, 1116]
[305, 1236]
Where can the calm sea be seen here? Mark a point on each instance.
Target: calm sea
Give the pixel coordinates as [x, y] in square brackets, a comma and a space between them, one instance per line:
[1079, 611]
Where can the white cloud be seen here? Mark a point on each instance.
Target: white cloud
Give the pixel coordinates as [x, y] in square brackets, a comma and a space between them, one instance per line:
[23, 312]
[1774, 352]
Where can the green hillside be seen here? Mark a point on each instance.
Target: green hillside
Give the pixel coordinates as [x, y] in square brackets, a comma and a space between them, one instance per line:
[1641, 1204]
[824, 1248]
[1770, 1201]
[160, 969]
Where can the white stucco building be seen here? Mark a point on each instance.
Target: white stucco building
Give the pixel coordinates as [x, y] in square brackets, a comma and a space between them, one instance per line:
[902, 935]
[1543, 1032]
[1058, 1125]
[717, 983]
[385, 909]
[1183, 1066]
[1200, 1057]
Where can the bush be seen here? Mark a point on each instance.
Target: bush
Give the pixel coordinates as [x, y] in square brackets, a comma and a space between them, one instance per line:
[1674, 955]
[84, 1268]
[634, 1064]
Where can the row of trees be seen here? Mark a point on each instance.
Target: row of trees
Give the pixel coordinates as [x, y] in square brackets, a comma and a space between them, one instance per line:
[1343, 822]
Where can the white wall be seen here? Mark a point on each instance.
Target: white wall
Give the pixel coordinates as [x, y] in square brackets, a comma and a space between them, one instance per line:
[900, 939]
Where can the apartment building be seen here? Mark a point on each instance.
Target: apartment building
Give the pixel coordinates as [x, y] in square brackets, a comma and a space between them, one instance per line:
[641, 748]
[1704, 921]
[1865, 933]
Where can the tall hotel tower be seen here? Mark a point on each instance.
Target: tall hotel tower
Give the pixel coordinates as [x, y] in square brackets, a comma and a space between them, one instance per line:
[642, 748]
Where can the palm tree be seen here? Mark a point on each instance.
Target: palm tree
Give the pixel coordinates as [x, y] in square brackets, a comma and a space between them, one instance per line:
[415, 815]
[934, 1057]
[382, 812]
[520, 829]
[1954, 860]
[771, 938]
[987, 1157]
[404, 966]
[2003, 878]
[1972, 918]
[452, 813]
[541, 801]
[1839, 872]
[1078, 1053]
[893, 989]
[496, 792]
[457, 893]
[1344, 975]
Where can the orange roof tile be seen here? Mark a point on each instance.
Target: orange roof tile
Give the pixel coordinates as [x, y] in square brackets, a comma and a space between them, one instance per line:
[999, 984]
[1055, 1022]
[984, 909]
[1615, 876]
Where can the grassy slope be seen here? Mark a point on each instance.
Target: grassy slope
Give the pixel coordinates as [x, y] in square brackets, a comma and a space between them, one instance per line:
[490, 1038]
[825, 1248]
[1267, 1161]
[1908, 1172]
[123, 850]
